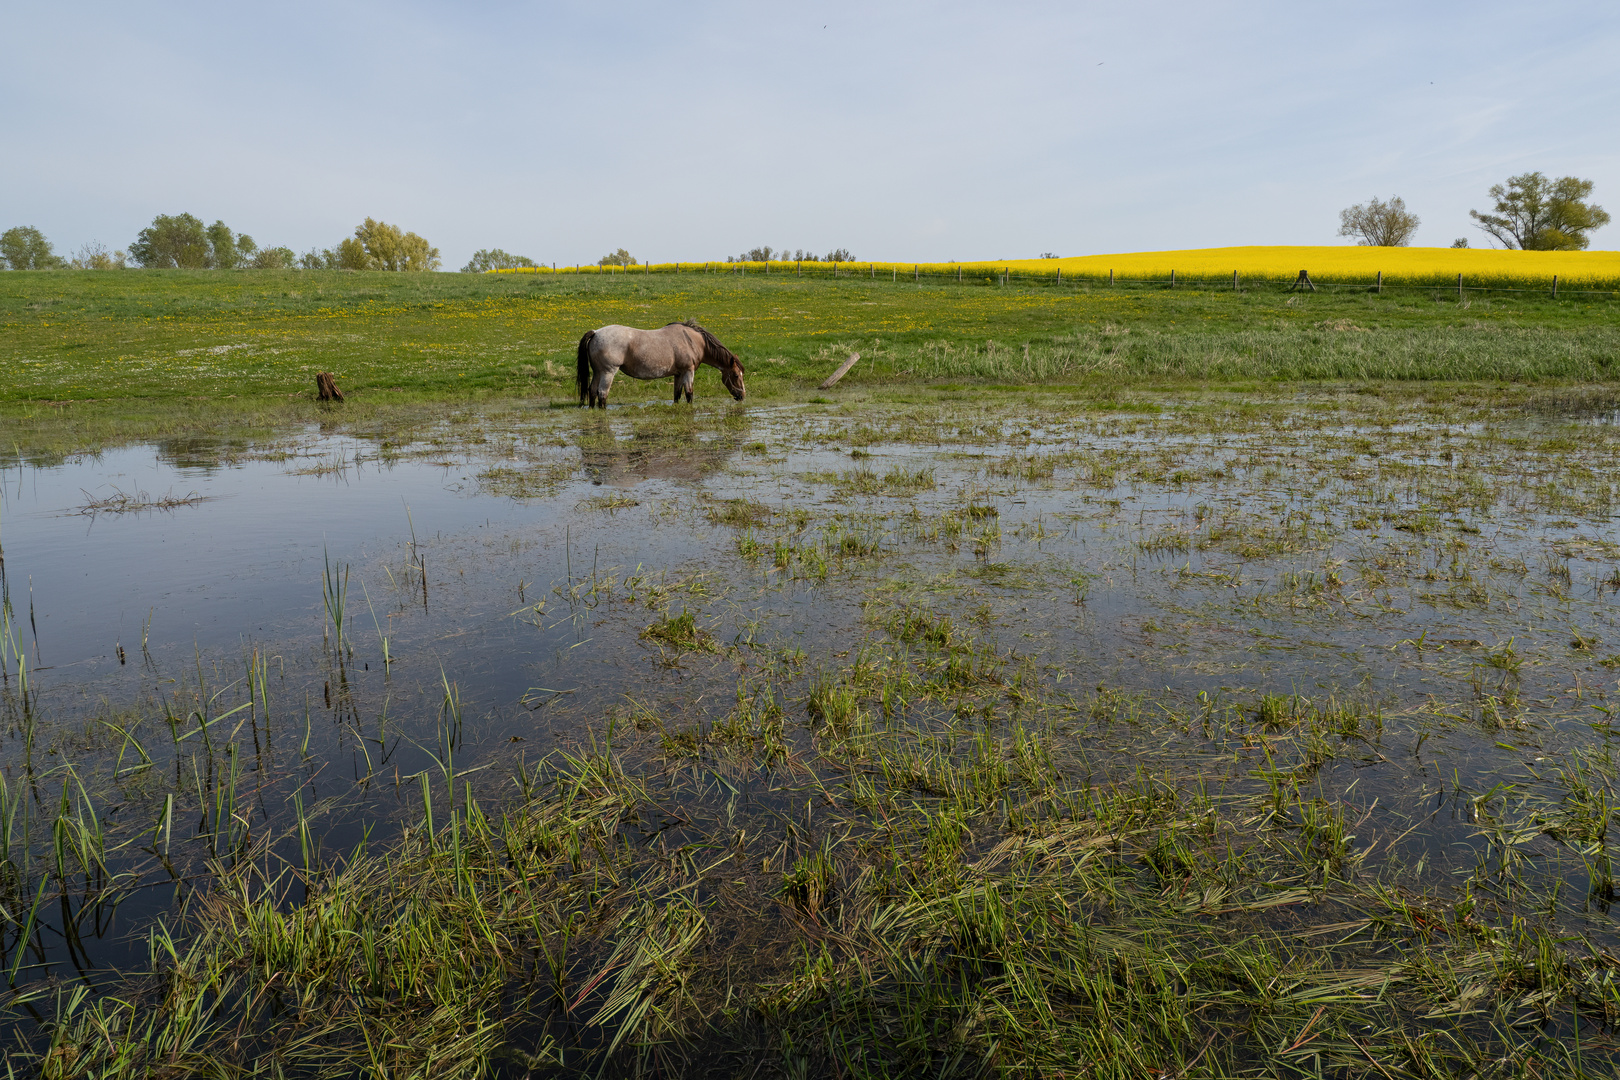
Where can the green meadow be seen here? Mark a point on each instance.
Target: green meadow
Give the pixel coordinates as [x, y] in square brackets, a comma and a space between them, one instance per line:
[262, 335]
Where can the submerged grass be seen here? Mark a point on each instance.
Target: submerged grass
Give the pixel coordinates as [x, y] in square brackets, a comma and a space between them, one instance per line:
[680, 632]
[957, 897]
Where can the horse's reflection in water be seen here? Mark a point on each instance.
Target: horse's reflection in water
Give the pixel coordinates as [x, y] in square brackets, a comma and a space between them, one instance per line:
[658, 450]
[627, 466]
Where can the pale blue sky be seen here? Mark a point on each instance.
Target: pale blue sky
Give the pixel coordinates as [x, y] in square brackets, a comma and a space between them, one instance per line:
[901, 131]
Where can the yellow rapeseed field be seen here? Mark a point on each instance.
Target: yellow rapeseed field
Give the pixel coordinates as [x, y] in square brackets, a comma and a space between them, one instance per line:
[1480, 267]
[1407, 265]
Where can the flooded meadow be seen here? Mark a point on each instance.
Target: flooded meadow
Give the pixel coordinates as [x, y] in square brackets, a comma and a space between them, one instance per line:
[1242, 733]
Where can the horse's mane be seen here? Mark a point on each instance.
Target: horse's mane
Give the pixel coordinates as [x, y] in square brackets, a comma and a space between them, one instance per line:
[713, 352]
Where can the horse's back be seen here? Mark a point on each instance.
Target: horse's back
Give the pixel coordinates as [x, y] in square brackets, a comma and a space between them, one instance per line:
[648, 354]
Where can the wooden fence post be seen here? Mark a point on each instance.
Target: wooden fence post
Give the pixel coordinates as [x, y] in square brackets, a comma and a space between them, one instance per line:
[1378, 283]
[959, 273]
[1172, 279]
[1110, 277]
[1234, 281]
[839, 374]
[1459, 286]
[916, 274]
[1555, 286]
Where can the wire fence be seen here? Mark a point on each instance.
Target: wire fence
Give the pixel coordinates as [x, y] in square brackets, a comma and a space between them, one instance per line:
[1006, 275]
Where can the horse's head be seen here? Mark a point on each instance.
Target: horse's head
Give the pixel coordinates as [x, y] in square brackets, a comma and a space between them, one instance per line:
[716, 354]
[731, 373]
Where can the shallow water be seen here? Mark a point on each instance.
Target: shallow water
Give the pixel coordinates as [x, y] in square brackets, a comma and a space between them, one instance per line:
[1421, 566]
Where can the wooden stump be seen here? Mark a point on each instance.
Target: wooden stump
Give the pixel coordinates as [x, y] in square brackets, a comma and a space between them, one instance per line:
[326, 386]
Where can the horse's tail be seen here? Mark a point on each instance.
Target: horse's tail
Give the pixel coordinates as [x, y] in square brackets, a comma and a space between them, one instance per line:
[583, 374]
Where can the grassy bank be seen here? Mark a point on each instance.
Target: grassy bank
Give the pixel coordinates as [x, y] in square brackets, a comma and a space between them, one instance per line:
[155, 336]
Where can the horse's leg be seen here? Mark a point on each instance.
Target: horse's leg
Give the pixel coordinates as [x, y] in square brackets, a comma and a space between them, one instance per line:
[683, 384]
[601, 386]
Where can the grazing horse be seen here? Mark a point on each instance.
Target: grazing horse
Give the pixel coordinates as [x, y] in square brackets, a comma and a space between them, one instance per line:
[676, 349]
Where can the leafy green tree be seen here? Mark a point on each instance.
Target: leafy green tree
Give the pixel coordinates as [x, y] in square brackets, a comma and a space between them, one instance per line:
[227, 250]
[765, 253]
[179, 241]
[1376, 223]
[375, 245]
[618, 258]
[350, 254]
[183, 241]
[1538, 214]
[25, 248]
[95, 256]
[380, 246]
[484, 261]
[276, 258]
